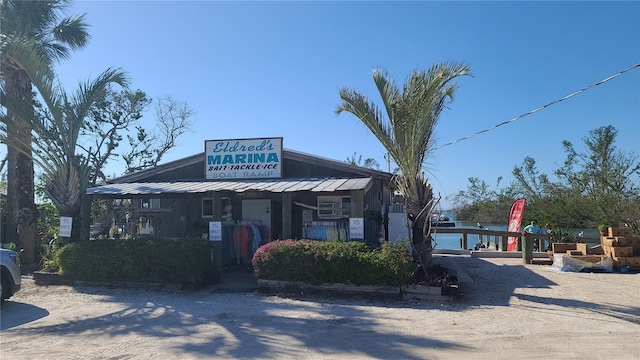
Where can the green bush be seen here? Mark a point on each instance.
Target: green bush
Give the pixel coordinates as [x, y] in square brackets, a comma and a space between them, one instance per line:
[318, 262]
[185, 260]
[48, 260]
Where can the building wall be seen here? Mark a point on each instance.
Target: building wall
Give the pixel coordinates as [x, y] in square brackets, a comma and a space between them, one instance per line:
[181, 215]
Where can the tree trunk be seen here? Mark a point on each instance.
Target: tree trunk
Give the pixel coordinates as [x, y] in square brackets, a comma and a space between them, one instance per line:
[421, 242]
[76, 227]
[12, 206]
[75, 224]
[22, 211]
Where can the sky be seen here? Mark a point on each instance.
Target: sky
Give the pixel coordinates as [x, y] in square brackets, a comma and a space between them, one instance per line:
[274, 69]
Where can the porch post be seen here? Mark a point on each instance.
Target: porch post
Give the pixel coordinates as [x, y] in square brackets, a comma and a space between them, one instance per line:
[216, 201]
[287, 199]
[85, 217]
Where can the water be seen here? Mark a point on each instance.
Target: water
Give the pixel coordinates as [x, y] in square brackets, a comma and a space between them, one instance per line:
[452, 241]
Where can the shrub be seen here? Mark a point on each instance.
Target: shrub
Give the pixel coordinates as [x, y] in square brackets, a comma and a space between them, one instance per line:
[333, 262]
[562, 236]
[48, 260]
[187, 260]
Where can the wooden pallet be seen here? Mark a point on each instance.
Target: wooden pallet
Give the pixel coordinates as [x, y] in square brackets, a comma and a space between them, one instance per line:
[541, 261]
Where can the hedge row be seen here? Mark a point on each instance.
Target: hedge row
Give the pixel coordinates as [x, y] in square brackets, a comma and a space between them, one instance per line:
[184, 260]
[319, 262]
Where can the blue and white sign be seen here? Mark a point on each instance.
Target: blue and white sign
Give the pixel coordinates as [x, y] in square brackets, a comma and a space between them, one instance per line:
[243, 158]
[66, 223]
[356, 228]
[215, 230]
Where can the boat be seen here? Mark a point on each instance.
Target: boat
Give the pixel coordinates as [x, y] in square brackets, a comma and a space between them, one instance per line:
[441, 220]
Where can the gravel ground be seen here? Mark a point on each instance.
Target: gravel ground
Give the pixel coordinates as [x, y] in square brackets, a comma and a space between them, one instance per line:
[507, 311]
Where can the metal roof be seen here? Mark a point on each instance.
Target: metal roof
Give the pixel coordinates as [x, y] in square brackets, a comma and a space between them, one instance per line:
[141, 175]
[271, 185]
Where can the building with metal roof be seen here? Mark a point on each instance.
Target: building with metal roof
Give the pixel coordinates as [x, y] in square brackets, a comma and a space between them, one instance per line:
[271, 192]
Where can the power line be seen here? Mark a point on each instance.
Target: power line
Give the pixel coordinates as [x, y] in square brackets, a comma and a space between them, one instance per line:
[542, 107]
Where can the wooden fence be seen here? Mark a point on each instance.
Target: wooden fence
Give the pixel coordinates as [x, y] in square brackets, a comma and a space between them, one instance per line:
[525, 243]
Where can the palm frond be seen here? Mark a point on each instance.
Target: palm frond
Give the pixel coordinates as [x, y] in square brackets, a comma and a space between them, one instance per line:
[53, 139]
[369, 114]
[73, 31]
[408, 132]
[22, 52]
[43, 22]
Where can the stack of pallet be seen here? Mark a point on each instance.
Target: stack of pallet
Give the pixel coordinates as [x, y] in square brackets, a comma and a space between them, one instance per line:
[622, 246]
[578, 251]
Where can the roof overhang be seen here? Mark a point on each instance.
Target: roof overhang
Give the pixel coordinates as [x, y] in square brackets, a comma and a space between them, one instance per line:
[238, 186]
[145, 174]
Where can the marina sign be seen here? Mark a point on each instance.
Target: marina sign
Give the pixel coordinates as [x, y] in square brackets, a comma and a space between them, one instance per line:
[243, 158]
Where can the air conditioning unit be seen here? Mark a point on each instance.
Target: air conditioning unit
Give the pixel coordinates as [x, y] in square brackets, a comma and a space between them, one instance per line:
[328, 209]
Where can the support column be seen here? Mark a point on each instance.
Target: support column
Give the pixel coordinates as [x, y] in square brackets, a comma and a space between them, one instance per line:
[85, 217]
[217, 245]
[287, 232]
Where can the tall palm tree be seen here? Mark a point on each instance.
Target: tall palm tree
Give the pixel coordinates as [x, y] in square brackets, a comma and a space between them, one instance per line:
[408, 135]
[34, 35]
[55, 137]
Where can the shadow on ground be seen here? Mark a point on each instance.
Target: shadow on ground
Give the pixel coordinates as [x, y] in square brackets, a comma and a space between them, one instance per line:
[14, 314]
[249, 325]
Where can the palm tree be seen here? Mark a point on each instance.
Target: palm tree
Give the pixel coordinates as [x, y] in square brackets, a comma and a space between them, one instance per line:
[55, 135]
[408, 135]
[33, 36]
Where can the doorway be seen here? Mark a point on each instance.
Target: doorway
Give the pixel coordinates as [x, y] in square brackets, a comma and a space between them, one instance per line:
[258, 212]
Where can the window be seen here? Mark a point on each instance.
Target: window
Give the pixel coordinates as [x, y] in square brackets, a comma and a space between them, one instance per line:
[207, 207]
[150, 203]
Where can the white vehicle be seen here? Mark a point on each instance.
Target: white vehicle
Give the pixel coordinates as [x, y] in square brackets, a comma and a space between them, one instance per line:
[10, 273]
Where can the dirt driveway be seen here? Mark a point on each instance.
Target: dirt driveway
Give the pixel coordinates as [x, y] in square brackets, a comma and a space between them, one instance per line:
[508, 311]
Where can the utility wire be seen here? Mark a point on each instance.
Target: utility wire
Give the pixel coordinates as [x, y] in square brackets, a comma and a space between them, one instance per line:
[542, 107]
